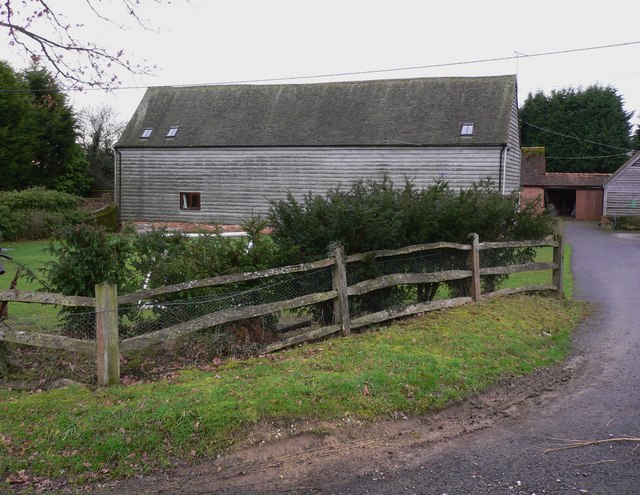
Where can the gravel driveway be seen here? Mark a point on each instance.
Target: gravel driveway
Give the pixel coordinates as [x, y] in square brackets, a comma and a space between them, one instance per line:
[601, 401]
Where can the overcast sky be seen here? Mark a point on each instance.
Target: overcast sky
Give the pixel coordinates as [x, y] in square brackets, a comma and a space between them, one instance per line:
[210, 41]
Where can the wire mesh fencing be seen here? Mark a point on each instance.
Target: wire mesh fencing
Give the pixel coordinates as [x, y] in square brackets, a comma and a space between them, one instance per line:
[75, 322]
[265, 322]
[240, 314]
[398, 295]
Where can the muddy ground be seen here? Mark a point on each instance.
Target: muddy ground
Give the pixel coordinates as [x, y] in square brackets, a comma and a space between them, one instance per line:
[304, 457]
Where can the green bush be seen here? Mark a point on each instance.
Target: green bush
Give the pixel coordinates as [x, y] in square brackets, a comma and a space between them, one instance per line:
[373, 215]
[166, 258]
[39, 198]
[36, 213]
[172, 257]
[86, 255]
[627, 222]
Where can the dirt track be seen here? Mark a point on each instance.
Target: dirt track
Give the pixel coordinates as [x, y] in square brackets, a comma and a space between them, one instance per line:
[489, 444]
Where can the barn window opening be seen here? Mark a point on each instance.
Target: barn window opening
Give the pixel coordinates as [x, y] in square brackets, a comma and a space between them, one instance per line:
[467, 129]
[173, 130]
[189, 200]
[146, 134]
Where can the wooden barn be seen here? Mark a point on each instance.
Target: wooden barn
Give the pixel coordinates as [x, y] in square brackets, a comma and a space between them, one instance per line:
[220, 153]
[622, 190]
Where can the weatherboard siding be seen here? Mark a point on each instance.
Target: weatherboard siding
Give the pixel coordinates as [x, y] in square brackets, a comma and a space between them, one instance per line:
[622, 193]
[236, 182]
[514, 155]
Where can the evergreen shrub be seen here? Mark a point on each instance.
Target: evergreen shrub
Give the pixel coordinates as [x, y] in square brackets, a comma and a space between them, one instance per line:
[36, 213]
[372, 215]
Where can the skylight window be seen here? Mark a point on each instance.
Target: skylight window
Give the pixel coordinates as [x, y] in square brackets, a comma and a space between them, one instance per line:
[467, 129]
[146, 134]
[173, 130]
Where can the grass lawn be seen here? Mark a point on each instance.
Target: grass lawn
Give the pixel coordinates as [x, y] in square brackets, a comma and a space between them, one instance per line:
[32, 255]
[543, 277]
[412, 366]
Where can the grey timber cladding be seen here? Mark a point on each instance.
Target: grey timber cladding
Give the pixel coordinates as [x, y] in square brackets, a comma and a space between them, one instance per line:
[514, 154]
[622, 190]
[415, 112]
[235, 182]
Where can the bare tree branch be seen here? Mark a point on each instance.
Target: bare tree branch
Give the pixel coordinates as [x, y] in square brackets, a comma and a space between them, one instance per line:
[46, 35]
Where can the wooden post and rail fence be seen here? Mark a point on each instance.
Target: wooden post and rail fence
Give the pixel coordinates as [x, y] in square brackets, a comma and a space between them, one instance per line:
[108, 346]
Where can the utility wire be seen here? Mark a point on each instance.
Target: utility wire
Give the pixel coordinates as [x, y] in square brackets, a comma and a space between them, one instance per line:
[574, 137]
[362, 72]
[430, 66]
[586, 157]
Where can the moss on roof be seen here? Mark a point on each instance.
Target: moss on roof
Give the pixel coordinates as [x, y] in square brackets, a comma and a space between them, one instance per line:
[392, 112]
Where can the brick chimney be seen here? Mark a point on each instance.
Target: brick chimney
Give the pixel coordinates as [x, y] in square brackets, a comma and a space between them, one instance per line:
[533, 166]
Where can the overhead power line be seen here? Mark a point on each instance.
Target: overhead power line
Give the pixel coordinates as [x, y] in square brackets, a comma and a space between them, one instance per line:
[587, 157]
[429, 66]
[574, 137]
[366, 72]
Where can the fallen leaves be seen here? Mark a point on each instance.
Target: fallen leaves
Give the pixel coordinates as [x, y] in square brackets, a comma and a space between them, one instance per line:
[19, 478]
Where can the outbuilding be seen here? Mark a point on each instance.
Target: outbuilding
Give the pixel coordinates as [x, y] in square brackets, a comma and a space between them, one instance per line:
[222, 153]
[622, 190]
[577, 195]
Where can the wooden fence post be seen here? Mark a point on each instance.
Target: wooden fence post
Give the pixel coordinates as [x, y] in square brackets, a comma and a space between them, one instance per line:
[474, 261]
[107, 339]
[339, 279]
[558, 272]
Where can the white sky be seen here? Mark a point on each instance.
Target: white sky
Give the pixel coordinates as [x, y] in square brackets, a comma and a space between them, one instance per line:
[209, 41]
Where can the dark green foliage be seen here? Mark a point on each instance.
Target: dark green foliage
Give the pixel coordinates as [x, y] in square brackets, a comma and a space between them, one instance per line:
[166, 258]
[36, 213]
[174, 257]
[635, 141]
[74, 178]
[53, 128]
[16, 112]
[35, 198]
[590, 116]
[38, 134]
[375, 215]
[86, 255]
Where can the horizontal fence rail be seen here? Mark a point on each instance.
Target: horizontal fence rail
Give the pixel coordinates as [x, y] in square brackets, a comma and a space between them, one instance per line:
[47, 340]
[222, 280]
[415, 269]
[15, 295]
[406, 250]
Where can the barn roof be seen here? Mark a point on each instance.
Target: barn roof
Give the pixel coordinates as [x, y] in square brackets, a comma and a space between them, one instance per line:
[392, 112]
